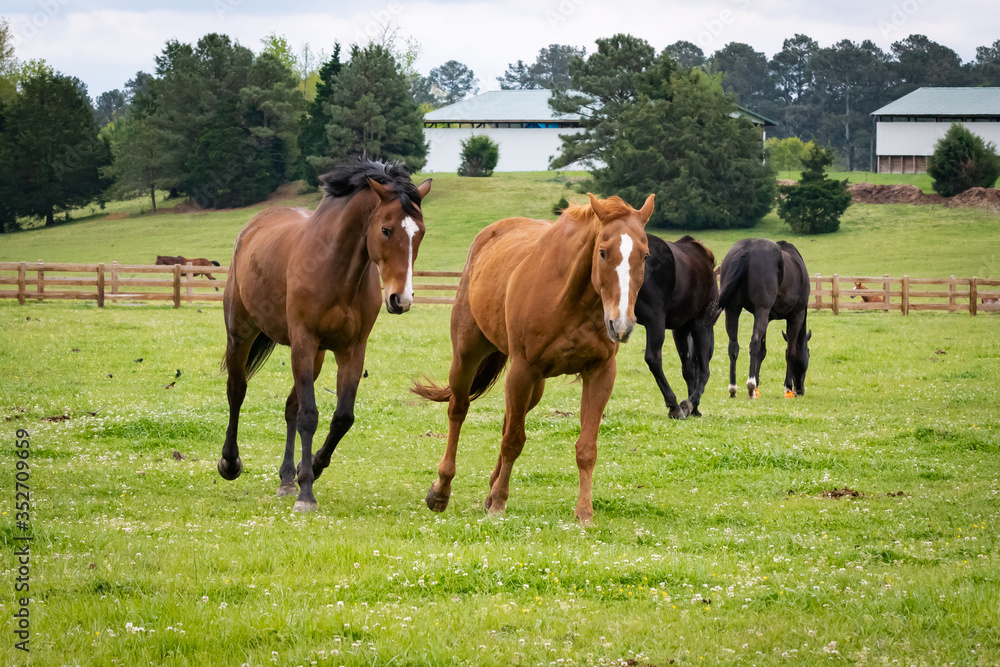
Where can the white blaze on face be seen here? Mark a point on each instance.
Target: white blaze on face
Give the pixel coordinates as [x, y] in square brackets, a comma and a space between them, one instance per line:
[624, 281]
[411, 228]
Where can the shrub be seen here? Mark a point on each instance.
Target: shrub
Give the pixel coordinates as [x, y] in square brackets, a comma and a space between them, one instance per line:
[815, 205]
[560, 206]
[479, 156]
[786, 154]
[961, 161]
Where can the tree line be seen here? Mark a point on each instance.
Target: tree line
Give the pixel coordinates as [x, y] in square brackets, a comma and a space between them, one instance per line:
[225, 124]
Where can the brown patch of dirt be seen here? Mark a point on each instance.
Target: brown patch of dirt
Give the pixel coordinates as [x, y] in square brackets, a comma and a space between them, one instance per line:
[872, 193]
[286, 191]
[187, 206]
[178, 456]
[433, 434]
[56, 418]
[987, 199]
[843, 493]
[120, 215]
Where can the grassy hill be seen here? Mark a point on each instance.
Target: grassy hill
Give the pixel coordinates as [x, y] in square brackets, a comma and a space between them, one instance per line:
[926, 241]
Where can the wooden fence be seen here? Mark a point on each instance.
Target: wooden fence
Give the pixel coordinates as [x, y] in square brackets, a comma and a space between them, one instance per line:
[116, 282]
[141, 283]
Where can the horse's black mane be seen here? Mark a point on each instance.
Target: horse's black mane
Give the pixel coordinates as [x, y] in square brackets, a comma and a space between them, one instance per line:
[351, 176]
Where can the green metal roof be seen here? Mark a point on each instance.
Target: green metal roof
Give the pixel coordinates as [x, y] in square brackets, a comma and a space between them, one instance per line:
[518, 106]
[754, 117]
[945, 102]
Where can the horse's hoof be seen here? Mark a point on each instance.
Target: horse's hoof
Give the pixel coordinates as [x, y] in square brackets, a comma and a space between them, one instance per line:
[305, 506]
[229, 470]
[754, 393]
[695, 412]
[677, 414]
[436, 502]
[287, 489]
[732, 391]
[686, 407]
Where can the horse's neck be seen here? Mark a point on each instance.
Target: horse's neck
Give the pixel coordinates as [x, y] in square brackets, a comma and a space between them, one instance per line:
[575, 259]
[338, 235]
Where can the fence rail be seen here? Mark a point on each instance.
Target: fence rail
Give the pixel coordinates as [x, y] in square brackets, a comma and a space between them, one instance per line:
[185, 284]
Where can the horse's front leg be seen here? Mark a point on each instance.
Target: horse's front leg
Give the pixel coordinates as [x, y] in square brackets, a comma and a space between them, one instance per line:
[350, 366]
[655, 336]
[304, 351]
[758, 350]
[597, 387]
[287, 471]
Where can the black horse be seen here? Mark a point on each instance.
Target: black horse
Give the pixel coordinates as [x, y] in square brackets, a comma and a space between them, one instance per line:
[769, 280]
[679, 293]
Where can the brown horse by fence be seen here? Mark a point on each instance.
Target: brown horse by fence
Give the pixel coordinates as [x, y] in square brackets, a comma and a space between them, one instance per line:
[168, 260]
[310, 280]
[867, 298]
[556, 298]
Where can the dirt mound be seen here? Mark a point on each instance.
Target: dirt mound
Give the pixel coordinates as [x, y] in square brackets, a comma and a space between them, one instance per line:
[120, 215]
[187, 206]
[985, 198]
[286, 191]
[872, 193]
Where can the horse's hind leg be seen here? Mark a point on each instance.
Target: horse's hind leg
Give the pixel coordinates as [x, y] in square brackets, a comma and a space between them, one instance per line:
[287, 471]
[703, 347]
[536, 396]
[732, 331]
[758, 350]
[655, 335]
[470, 348]
[519, 390]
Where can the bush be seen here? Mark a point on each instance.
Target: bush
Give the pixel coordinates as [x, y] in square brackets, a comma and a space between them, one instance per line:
[786, 154]
[961, 161]
[479, 156]
[560, 206]
[815, 205]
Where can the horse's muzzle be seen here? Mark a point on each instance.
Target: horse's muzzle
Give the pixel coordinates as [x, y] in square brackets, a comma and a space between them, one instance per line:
[395, 305]
[619, 334]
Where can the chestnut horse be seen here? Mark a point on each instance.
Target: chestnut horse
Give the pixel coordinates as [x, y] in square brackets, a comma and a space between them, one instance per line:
[770, 281]
[679, 292]
[867, 298]
[556, 298]
[310, 280]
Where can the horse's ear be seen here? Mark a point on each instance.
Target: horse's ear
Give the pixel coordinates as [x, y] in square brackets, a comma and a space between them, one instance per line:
[379, 189]
[809, 335]
[597, 207]
[785, 336]
[647, 209]
[424, 188]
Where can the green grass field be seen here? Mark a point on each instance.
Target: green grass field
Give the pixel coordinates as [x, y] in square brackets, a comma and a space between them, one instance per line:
[713, 543]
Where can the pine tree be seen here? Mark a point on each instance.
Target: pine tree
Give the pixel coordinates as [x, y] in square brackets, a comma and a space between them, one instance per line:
[815, 205]
[312, 138]
[962, 160]
[480, 155]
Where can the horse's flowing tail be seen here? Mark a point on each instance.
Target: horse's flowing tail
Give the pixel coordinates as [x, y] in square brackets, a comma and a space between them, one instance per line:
[489, 370]
[731, 279]
[260, 350]
[215, 263]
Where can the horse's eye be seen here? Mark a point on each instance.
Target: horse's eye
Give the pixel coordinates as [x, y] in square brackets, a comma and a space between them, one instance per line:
[386, 232]
[602, 253]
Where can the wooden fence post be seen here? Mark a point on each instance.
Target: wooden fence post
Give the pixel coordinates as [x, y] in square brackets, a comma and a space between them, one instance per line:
[189, 280]
[885, 292]
[177, 285]
[951, 295]
[40, 288]
[114, 277]
[100, 285]
[21, 281]
[904, 304]
[973, 296]
[819, 297]
[835, 294]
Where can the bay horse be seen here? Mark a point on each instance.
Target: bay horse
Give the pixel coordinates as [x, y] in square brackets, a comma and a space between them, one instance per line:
[310, 280]
[555, 298]
[770, 281]
[170, 260]
[679, 292]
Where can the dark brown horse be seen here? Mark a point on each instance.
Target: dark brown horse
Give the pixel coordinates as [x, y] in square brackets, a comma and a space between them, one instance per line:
[770, 281]
[679, 292]
[310, 280]
[556, 298]
[170, 260]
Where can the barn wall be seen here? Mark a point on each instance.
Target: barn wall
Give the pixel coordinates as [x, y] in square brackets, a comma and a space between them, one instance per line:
[521, 149]
[919, 138]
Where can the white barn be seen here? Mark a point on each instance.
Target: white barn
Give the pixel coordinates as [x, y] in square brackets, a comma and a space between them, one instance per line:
[907, 130]
[519, 121]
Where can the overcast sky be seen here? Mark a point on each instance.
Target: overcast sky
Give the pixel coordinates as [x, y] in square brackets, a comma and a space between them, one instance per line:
[104, 42]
